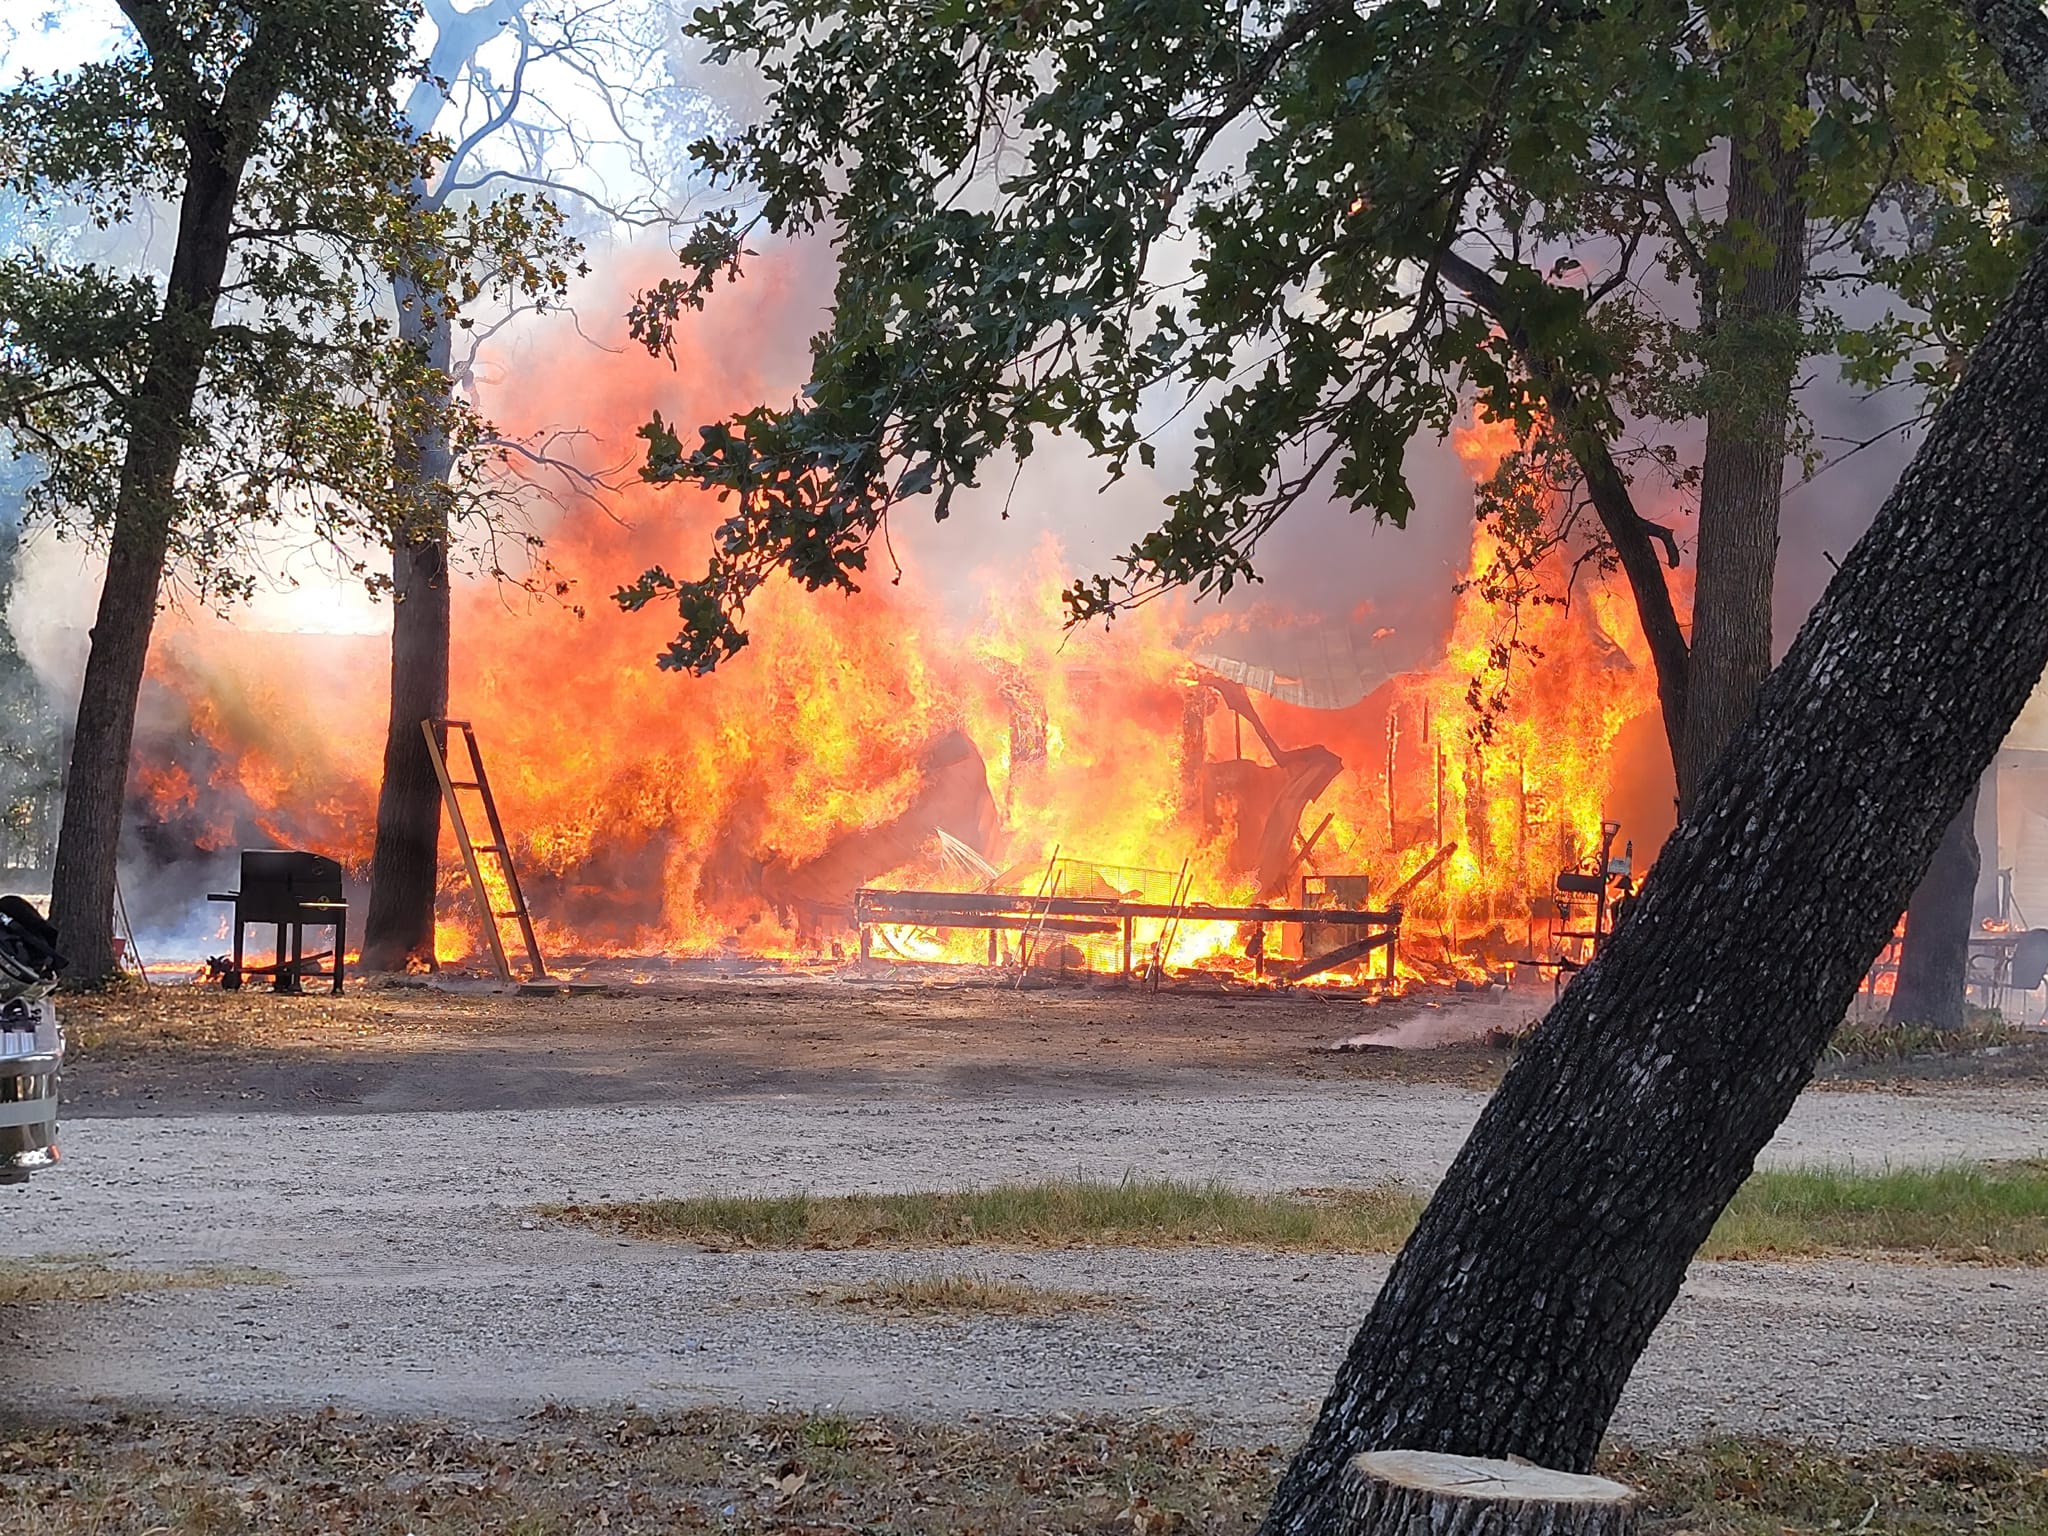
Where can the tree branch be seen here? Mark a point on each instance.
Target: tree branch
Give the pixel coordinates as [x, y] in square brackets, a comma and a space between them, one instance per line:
[1627, 529]
[1482, 145]
[458, 37]
[170, 62]
[528, 51]
[1704, 272]
[552, 186]
[1246, 89]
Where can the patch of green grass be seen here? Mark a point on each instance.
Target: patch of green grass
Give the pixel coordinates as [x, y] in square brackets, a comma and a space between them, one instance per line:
[1961, 1213]
[1138, 1213]
[88, 1277]
[826, 1431]
[1992, 1213]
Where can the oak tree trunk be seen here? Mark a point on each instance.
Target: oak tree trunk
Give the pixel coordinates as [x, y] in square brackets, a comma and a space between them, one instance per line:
[398, 931]
[1934, 960]
[405, 865]
[1754, 336]
[159, 415]
[1561, 1234]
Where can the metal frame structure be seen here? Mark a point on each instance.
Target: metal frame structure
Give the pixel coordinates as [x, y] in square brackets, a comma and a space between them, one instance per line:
[1103, 917]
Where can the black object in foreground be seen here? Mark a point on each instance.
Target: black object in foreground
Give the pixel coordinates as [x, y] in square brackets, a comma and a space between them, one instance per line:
[295, 891]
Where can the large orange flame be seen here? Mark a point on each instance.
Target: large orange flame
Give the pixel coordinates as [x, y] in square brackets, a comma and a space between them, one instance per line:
[657, 814]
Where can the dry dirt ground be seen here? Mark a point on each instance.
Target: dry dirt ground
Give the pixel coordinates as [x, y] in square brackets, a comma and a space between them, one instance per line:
[384, 1152]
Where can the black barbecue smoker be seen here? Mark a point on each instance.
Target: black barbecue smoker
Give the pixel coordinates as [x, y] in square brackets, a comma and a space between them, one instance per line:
[295, 891]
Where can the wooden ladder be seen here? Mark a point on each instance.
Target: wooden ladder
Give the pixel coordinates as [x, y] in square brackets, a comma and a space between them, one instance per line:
[436, 731]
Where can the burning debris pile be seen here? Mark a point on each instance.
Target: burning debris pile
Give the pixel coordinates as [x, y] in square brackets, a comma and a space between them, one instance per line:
[876, 742]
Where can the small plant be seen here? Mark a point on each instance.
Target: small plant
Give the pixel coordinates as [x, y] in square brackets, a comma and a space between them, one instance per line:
[828, 1432]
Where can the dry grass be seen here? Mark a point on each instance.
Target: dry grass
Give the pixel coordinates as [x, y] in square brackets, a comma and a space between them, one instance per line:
[567, 1474]
[1871, 1040]
[958, 1296]
[1138, 1213]
[88, 1277]
[1735, 1487]
[130, 1019]
[1988, 1214]
[571, 1474]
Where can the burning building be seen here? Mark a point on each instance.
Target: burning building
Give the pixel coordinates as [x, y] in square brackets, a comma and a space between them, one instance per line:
[886, 739]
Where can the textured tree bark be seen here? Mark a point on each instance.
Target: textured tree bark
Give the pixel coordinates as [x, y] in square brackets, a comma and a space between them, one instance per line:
[405, 863]
[398, 931]
[1423, 1493]
[159, 414]
[2018, 33]
[1934, 961]
[1562, 1232]
[1755, 323]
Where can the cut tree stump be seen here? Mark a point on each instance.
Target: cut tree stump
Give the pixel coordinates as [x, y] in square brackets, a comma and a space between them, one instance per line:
[1426, 1493]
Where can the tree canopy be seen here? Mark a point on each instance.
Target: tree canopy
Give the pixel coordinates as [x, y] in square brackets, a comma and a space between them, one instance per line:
[306, 381]
[264, 372]
[1322, 228]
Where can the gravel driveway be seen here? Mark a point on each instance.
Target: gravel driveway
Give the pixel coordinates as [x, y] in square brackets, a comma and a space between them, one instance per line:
[419, 1282]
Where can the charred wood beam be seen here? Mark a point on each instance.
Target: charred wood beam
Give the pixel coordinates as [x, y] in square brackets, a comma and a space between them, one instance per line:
[1341, 956]
[1016, 922]
[1301, 854]
[1430, 867]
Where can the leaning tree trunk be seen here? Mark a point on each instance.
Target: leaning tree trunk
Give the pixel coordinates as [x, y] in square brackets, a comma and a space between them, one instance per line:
[1756, 348]
[405, 864]
[159, 415]
[1934, 961]
[1561, 1234]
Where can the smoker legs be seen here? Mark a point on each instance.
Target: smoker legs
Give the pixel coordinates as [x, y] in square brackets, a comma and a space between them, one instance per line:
[289, 964]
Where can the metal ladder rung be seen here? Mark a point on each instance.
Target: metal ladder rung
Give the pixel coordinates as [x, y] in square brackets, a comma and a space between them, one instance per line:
[499, 847]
